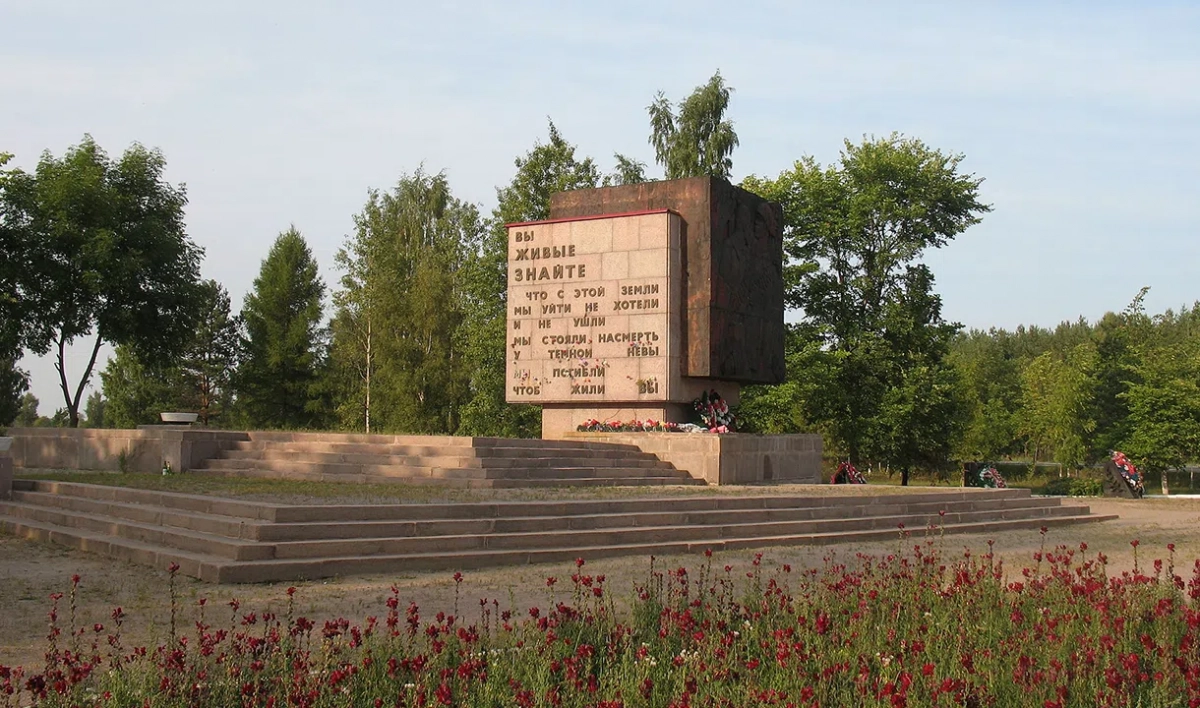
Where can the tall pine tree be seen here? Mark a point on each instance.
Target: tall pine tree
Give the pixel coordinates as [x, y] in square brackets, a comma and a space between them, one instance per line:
[284, 348]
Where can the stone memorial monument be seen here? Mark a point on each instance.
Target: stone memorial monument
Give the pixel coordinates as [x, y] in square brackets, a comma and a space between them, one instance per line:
[630, 302]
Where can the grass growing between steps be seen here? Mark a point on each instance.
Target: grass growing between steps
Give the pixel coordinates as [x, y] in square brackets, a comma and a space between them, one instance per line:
[299, 491]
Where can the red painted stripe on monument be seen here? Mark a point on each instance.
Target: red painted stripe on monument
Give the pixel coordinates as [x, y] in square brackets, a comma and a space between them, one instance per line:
[592, 217]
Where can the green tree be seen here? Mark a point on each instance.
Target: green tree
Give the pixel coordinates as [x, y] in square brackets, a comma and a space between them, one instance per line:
[1161, 392]
[95, 409]
[1164, 407]
[782, 409]
[14, 267]
[396, 328]
[1119, 340]
[210, 356]
[137, 391]
[854, 234]
[1057, 392]
[14, 382]
[548, 168]
[27, 414]
[920, 414]
[104, 253]
[627, 171]
[196, 378]
[991, 378]
[279, 377]
[697, 140]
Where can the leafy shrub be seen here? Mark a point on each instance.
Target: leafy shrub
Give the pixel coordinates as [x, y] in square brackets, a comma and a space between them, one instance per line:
[1074, 487]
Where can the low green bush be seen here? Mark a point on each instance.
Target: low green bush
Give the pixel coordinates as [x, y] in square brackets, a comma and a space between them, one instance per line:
[1074, 487]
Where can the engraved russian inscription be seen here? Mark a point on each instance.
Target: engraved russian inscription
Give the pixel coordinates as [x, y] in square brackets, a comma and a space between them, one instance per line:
[592, 312]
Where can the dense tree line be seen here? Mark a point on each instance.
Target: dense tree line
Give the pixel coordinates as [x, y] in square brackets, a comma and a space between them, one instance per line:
[414, 339]
[1072, 394]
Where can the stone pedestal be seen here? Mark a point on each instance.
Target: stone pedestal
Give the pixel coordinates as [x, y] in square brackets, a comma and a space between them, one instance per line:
[728, 459]
[1115, 484]
[558, 419]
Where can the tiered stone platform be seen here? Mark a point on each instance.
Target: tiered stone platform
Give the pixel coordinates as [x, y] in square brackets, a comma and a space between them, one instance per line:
[441, 460]
[412, 459]
[227, 540]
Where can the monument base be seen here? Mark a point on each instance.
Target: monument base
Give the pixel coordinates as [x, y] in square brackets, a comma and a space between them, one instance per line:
[559, 420]
[732, 458]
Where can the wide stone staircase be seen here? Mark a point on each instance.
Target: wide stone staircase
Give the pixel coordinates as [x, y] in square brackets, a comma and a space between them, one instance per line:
[441, 460]
[228, 540]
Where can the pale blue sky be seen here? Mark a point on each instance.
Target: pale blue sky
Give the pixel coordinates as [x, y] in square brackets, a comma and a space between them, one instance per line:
[1081, 116]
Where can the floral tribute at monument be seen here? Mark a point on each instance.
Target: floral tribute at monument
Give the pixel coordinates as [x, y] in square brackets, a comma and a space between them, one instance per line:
[984, 475]
[1128, 474]
[847, 474]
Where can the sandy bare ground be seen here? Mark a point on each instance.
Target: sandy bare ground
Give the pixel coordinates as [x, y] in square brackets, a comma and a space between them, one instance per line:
[30, 572]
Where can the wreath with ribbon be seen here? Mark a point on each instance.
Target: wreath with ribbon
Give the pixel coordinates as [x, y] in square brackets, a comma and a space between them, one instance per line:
[848, 474]
[714, 412]
[991, 478]
[1129, 473]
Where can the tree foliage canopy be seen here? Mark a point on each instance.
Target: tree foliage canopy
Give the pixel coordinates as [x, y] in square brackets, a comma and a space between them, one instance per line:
[102, 250]
[854, 233]
[696, 139]
[278, 382]
[401, 306]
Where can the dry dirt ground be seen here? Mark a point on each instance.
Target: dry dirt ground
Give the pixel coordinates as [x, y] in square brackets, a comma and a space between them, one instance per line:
[30, 572]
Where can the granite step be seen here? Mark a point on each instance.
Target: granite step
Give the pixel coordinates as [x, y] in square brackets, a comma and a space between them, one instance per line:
[295, 531]
[425, 446]
[151, 534]
[213, 568]
[702, 501]
[646, 462]
[587, 538]
[450, 477]
[644, 481]
[197, 565]
[215, 524]
[271, 455]
[199, 503]
[287, 464]
[493, 522]
[315, 568]
[286, 542]
[434, 450]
